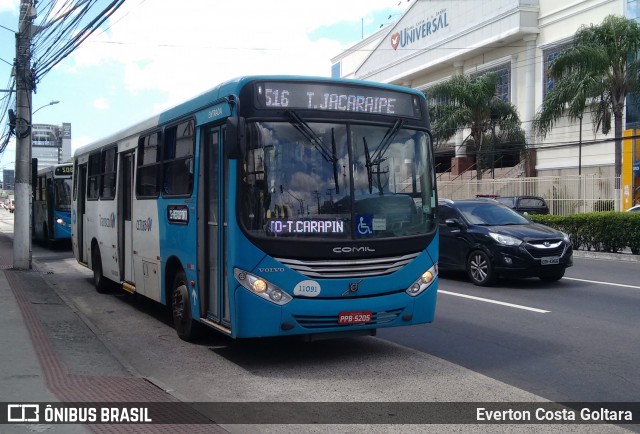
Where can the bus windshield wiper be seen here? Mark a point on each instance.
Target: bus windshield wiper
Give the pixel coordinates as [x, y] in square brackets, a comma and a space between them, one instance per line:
[304, 129]
[367, 163]
[385, 142]
[330, 156]
[378, 156]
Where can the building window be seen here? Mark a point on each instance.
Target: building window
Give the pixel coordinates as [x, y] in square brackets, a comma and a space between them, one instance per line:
[632, 9]
[503, 88]
[632, 106]
[549, 55]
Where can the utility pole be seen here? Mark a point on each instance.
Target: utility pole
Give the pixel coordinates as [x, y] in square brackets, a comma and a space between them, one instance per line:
[24, 87]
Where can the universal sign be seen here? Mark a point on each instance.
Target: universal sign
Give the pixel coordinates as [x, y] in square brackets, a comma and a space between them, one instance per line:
[421, 30]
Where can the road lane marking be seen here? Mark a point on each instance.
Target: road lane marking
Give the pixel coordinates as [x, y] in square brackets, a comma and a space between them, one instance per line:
[488, 300]
[602, 283]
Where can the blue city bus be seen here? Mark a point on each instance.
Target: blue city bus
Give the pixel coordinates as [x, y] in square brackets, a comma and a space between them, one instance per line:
[268, 206]
[52, 204]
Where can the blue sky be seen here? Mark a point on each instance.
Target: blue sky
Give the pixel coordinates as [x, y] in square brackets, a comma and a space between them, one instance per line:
[153, 55]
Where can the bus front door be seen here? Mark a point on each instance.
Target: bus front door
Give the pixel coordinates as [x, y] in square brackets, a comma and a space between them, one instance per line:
[214, 292]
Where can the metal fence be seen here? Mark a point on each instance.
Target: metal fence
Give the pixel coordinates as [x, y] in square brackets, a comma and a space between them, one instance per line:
[565, 194]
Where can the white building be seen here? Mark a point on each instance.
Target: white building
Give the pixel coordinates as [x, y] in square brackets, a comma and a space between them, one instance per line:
[50, 144]
[435, 39]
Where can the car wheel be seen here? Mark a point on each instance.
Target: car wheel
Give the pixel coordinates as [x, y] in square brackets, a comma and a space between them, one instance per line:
[552, 276]
[480, 269]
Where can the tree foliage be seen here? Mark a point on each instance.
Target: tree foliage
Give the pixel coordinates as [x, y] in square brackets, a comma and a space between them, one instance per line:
[594, 75]
[471, 103]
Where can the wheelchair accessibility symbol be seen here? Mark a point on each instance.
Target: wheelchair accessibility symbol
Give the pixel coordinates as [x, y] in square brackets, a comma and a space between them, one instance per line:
[364, 225]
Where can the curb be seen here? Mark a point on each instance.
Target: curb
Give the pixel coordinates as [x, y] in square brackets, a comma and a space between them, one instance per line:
[624, 257]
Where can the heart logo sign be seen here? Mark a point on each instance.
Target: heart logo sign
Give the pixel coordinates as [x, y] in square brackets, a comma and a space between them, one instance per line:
[395, 40]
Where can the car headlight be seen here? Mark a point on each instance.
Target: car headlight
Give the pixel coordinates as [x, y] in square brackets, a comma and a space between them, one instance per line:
[566, 237]
[261, 287]
[505, 240]
[423, 282]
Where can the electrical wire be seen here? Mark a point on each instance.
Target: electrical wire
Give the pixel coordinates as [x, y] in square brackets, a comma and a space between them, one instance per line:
[60, 35]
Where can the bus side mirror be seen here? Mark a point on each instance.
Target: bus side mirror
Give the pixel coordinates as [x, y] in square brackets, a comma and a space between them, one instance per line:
[234, 138]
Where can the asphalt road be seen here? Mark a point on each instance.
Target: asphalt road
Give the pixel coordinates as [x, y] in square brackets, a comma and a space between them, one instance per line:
[582, 346]
[572, 340]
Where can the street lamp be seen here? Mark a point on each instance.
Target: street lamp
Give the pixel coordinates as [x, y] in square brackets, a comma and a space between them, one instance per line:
[46, 105]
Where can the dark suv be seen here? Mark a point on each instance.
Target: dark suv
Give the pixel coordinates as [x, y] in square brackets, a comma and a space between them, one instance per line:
[525, 204]
[488, 239]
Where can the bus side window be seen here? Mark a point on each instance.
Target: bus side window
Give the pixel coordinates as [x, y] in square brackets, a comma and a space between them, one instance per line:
[178, 159]
[93, 185]
[148, 167]
[108, 177]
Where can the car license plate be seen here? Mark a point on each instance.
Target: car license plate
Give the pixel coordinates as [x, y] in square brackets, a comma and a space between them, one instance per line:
[550, 260]
[361, 317]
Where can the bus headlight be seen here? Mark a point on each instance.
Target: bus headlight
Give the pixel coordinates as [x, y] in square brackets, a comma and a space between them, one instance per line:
[423, 282]
[60, 222]
[261, 287]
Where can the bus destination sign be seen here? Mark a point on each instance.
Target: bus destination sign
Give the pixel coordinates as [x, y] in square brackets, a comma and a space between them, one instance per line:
[332, 97]
[63, 171]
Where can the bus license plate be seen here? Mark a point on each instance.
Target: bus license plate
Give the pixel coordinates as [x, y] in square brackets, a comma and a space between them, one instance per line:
[551, 260]
[361, 317]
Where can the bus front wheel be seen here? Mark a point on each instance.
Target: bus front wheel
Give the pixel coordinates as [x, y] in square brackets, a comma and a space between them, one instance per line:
[183, 321]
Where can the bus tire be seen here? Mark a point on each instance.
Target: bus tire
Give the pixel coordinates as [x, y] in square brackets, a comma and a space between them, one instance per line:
[45, 236]
[98, 278]
[183, 322]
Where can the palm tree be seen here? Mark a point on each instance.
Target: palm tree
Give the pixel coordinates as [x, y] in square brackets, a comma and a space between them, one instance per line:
[471, 103]
[596, 73]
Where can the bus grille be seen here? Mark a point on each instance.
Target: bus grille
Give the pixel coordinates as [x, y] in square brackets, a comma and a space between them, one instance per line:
[348, 268]
[316, 321]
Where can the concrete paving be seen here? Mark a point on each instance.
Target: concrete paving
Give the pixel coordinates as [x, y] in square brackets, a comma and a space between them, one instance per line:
[50, 354]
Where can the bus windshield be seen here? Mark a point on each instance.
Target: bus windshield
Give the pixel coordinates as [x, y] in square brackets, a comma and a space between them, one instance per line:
[63, 194]
[336, 181]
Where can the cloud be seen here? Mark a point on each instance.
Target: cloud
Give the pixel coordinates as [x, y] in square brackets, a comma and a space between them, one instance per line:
[77, 142]
[183, 51]
[101, 103]
[9, 5]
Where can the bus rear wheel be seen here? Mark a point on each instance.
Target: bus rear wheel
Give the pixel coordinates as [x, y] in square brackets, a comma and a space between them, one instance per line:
[99, 280]
[183, 322]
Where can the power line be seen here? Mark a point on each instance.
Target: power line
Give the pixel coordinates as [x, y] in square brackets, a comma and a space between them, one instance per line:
[60, 36]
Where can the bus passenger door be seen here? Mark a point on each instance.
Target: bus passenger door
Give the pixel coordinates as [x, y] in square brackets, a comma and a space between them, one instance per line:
[125, 198]
[212, 252]
[80, 223]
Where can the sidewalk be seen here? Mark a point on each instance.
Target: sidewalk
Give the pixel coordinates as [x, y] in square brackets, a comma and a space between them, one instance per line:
[22, 378]
[50, 353]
